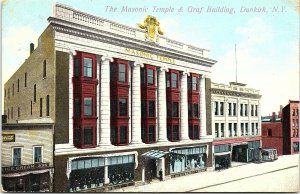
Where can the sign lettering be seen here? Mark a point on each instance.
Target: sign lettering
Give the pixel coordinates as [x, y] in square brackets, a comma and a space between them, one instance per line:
[150, 55]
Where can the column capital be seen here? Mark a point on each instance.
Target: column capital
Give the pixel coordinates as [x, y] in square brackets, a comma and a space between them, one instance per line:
[185, 72]
[164, 68]
[106, 57]
[72, 52]
[136, 63]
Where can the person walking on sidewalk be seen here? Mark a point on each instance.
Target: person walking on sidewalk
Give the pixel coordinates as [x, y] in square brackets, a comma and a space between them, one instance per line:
[160, 175]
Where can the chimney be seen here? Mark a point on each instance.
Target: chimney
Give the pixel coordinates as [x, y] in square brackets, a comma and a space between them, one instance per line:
[31, 47]
[280, 111]
[273, 117]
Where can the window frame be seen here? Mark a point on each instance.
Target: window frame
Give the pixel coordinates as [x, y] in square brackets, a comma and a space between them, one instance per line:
[91, 106]
[117, 135]
[34, 151]
[84, 136]
[12, 154]
[119, 107]
[41, 107]
[153, 76]
[48, 105]
[44, 69]
[87, 68]
[125, 73]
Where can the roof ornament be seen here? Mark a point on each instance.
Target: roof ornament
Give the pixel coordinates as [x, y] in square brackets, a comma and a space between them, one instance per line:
[152, 28]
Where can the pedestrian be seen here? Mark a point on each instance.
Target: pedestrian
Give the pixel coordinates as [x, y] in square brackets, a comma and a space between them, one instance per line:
[160, 175]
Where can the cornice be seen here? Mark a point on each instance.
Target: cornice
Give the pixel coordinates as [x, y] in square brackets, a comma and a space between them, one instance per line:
[71, 28]
[234, 93]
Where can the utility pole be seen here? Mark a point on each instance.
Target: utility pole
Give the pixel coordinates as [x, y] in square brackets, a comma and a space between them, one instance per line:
[235, 65]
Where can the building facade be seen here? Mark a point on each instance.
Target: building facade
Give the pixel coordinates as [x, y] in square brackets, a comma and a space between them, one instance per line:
[271, 132]
[128, 104]
[27, 157]
[236, 123]
[290, 127]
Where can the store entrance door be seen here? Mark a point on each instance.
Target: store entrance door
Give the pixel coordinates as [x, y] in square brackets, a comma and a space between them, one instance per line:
[240, 153]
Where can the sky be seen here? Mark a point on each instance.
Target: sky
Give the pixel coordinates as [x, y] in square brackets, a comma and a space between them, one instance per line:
[266, 40]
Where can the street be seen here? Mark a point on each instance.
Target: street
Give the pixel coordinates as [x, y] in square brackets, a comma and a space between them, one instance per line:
[281, 175]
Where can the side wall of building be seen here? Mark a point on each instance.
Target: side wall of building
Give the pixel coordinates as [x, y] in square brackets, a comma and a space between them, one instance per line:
[286, 131]
[275, 140]
[62, 98]
[19, 89]
[208, 106]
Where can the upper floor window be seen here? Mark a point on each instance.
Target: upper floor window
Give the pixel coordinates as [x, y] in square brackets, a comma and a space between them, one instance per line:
[34, 93]
[174, 78]
[269, 132]
[256, 110]
[229, 108]
[194, 83]
[37, 154]
[47, 105]
[168, 80]
[8, 93]
[123, 107]
[87, 67]
[222, 130]
[242, 129]
[221, 108]
[77, 106]
[216, 130]
[13, 89]
[122, 72]
[44, 69]
[252, 110]
[252, 128]
[41, 107]
[193, 131]
[242, 110]
[235, 129]
[151, 109]
[19, 112]
[216, 107]
[88, 106]
[230, 129]
[17, 155]
[173, 133]
[88, 136]
[76, 67]
[246, 110]
[25, 80]
[150, 76]
[18, 88]
[195, 110]
[234, 109]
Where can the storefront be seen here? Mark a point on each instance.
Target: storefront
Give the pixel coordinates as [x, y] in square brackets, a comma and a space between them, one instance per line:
[222, 156]
[33, 179]
[254, 151]
[188, 159]
[99, 171]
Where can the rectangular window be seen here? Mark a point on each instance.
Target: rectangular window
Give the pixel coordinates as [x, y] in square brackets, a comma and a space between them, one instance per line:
[113, 135]
[169, 109]
[150, 76]
[151, 110]
[77, 136]
[252, 110]
[122, 73]
[216, 130]
[222, 130]
[17, 154]
[229, 109]
[8, 114]
[113, 107]
[246, 109]
[195, 110]
[122, 107]
[221, 108]
[30, 107]
[76, 67]
[196, 132]
[12, 112]
[175, 109]
[216, 108]
[88, 136]
[41, 107]
[44, 69]
[77, 106]
[37, 154]
[18, 112]
[242, 129]
[13, 89]
[234, 109]
[269, 132]
[190, 110]
[230, 129]
[87, 67]
[252, 128]
[112, 72]
[25, 80]
[47, 105]
[168, 80]
[8, 93]
[88, 106]
[144, 108]
[175, 134]
[246, 129]
[296, 146]
[235, 129]
[34, 93]
[18, 85]
[242, 110]
[194, 83]
[256, 107]
[151, 134]
[123, 135]
[256, 125]
[174, 80]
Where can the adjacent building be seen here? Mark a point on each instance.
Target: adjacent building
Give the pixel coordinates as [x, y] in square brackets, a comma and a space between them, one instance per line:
[282, 131]
[290, 127]
[126, 102]
[236, 122]
[27, 157]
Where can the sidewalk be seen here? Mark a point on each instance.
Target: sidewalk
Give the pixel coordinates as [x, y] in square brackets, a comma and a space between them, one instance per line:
[207, 179]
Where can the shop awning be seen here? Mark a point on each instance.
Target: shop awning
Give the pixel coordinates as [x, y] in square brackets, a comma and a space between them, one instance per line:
[16, 174]
[154, 154]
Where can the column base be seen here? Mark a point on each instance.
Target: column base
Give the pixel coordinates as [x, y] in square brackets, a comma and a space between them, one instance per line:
[135, 143]
[162, 140]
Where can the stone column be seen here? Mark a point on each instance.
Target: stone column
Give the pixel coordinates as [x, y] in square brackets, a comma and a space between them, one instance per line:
[226, 128]
[162, 105]
[98, 101]
[259, 119]
[238, 127]
[136, 103]
[249, 118]
[202, 107]
[106, 179]
[71, 97]
[184, 120]
[105, 101]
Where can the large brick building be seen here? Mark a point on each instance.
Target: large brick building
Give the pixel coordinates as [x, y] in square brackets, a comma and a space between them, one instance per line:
[236, 123]
[126, 105]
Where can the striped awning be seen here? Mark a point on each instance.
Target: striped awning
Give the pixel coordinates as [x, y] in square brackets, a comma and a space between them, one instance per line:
[154, 154]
